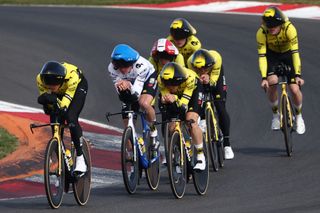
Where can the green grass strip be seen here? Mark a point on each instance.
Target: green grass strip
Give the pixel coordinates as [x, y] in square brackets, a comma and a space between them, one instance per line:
[8, 143]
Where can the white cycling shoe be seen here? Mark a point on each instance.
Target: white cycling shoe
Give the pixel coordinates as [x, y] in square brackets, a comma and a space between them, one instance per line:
[228, 153]
[201, 162]
[80, 164]
[275, 124]
[300, 126]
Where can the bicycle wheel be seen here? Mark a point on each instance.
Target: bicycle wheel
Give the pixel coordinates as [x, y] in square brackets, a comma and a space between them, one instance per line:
[130, 165]
[54, 183]
[166, 139]
[177, 167]
[153, 171]
[286, 127]
[211, 140]
[82, 186]
[201, 177]
[220, 148]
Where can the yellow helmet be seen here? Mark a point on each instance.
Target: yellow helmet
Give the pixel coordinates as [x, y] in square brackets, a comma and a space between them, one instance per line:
[172, 74]
[202, 59]
[273, 17]
[180, 28]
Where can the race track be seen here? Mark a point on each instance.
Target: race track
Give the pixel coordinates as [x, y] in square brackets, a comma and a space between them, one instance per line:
[260, 178]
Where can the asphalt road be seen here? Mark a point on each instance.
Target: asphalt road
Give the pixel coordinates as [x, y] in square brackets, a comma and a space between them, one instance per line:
[260, 178]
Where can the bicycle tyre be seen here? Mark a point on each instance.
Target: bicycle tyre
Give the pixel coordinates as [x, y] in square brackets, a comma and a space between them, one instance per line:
[212, 140]
[82, 186]
[166, 139]
[153, 171]
[177, 172]
[201, 177]
[286, 128]
[54, 186]
[220, 147]
[130, 178]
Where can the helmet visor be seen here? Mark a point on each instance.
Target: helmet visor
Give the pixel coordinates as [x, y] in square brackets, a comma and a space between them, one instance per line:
[179, 34]
[52, 79]
[165, 55]
[122, 63]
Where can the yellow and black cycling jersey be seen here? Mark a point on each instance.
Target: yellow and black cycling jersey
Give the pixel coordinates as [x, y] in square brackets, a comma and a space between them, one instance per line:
[185, 90]
[216, 69]
[158, 66]
[192, 45]
[285, 41]
[68, 87]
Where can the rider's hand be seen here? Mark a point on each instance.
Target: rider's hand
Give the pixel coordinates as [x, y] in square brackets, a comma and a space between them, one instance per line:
[47, 98]
[123, 85]
[205, 78]
[264, 84]
[299, 81]
[168, 98]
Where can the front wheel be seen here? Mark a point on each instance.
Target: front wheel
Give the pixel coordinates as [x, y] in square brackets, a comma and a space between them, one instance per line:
[53, 181]
[129, 161]
[286, 127]
[177, 165]
[82, 185]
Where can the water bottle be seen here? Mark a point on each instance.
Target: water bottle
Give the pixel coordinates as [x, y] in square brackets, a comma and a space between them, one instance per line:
[69, 157]
[141, 143]
[143, 159]
[188, 145]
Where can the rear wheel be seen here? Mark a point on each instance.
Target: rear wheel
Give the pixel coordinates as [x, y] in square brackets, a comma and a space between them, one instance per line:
[220, 148]
[201, 177]
[53, 181]
[153, 171]
[129, 161]
[211, 140]
[177, 166]
[286, 125]
[82, 185]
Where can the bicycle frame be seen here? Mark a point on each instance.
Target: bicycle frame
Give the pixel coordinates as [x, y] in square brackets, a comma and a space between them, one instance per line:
[284, 94]
[208, 106]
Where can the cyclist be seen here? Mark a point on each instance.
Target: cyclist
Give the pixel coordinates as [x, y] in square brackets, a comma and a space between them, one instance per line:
[164, 51]
[278, 42]
[182, 35]
[180, 94]
[135, 81]
[208, 65]
[63, 86]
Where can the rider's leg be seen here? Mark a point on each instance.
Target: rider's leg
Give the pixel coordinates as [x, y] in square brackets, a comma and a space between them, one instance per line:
[272, 94]
[72, 117]
[297, 102]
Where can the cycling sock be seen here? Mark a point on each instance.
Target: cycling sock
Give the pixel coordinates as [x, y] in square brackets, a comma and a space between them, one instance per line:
[298, 109]
[199, 148]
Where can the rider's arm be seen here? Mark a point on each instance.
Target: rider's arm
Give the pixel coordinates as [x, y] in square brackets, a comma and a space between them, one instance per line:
[262, 50]
[215, 73]
[189, 86]
[144, 69]
[180, 60]
[293, 39]
[72, 81]
[42, 89]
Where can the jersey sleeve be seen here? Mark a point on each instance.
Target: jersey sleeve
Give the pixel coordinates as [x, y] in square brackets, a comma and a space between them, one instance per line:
[144, 70]
[180, 60]
[188, 90]
[294, 48]
[42, 89]
[262, 50]
[72, 84]
[215, 73]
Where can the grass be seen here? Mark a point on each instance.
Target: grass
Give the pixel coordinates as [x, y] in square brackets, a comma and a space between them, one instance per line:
[8, 143]
[111, 2]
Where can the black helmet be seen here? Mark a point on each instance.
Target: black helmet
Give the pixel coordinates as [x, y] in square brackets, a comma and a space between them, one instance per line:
[202, 59]
[273, 17]
[172, 74]
[53, 73]
[180, 28]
